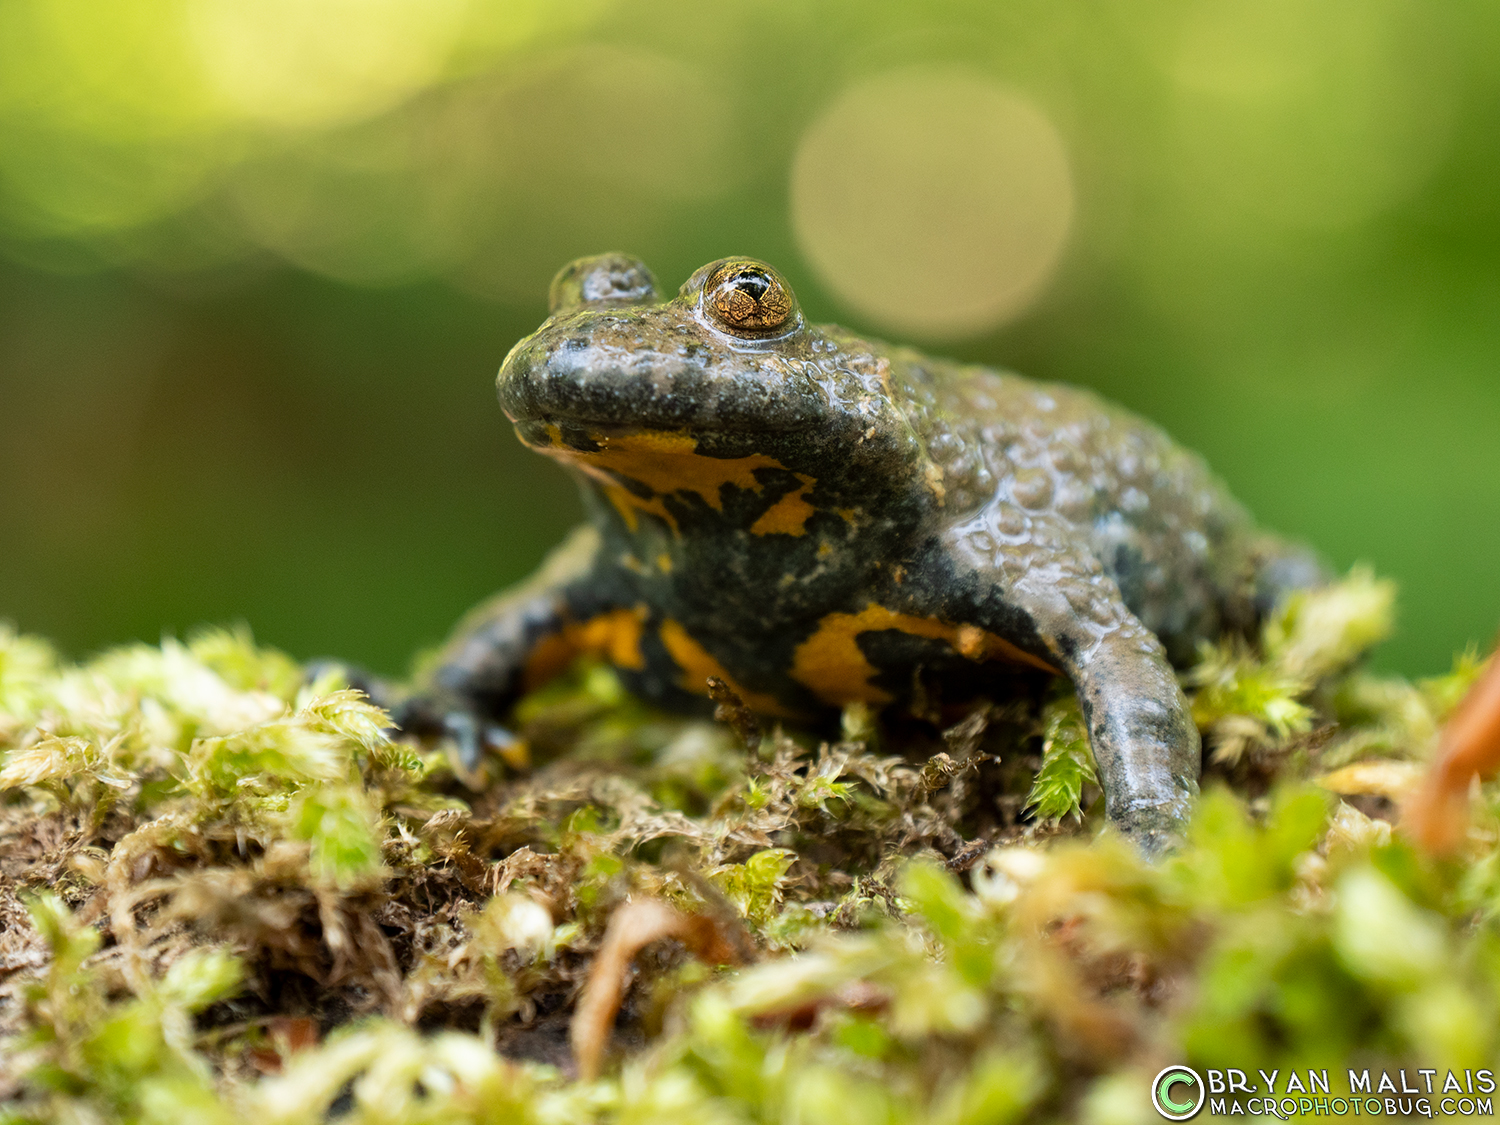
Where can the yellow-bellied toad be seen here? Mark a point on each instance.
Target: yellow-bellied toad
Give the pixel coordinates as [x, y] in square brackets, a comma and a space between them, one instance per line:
[817, 518]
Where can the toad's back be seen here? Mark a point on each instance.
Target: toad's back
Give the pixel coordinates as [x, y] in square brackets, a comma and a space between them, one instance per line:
[1185, 554]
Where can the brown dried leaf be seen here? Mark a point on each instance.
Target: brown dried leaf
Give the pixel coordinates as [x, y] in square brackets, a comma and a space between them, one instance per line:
[633, 927]
[1437, 816]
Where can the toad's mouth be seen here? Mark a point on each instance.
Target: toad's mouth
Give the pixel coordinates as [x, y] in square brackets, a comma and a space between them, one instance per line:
[582, 386]
[721, 414]
[638, 470]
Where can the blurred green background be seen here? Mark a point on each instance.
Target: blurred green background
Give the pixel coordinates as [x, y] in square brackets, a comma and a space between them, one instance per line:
[260, 260]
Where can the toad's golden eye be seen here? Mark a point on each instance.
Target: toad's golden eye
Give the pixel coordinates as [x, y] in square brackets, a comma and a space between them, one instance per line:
[748, 298]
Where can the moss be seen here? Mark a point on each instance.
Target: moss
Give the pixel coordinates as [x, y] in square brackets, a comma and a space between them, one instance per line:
[1067, 763]
[227, 894]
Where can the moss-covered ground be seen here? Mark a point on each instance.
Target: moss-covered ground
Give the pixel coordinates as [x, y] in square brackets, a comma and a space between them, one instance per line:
[227, 894]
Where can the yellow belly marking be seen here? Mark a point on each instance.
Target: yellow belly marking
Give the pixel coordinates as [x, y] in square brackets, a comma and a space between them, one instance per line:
[789, 515]
[698, 664]
[831, 665]
[669, 462]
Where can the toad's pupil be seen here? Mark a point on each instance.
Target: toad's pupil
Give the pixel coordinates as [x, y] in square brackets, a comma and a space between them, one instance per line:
[753, 285]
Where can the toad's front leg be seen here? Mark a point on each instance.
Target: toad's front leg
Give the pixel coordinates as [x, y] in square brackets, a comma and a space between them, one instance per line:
[517, 641]
[1023, 576]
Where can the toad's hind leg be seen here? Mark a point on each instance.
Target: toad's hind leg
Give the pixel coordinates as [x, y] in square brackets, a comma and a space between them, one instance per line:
[1283, 568]
[1027, 578]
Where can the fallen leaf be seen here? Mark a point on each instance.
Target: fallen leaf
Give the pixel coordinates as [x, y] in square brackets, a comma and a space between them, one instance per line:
[633, 927]
[1437, 816]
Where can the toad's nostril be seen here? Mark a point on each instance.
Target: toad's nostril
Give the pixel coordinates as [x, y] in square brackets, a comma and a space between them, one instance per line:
[603, 279]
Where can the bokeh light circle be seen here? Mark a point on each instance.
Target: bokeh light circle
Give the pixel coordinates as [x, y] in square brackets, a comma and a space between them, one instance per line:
[313, 63]
[933, 202]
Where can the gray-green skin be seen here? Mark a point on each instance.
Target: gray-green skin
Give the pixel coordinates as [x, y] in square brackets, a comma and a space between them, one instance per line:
[1035, 511]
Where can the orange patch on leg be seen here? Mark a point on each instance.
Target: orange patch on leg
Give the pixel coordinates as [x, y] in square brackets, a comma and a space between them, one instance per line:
[615, 636]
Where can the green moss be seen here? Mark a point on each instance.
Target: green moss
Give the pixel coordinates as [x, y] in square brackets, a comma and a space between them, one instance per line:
[228, 895]
[755, 886]
[1067, 762]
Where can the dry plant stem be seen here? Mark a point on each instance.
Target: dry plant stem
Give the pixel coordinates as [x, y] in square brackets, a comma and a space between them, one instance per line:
[1438, 815]
[633, 927]
[731, 709]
